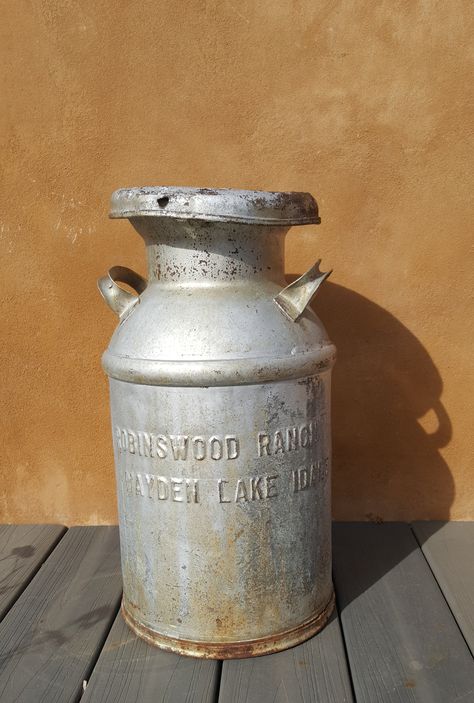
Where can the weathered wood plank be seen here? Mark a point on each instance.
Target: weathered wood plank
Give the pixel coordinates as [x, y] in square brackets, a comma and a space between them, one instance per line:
[129, 670]
[23, 548]
[50, 637]
[449, 549]
[402, 642]
[314, 672]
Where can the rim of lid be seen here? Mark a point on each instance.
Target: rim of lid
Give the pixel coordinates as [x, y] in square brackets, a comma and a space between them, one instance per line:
[216, 204]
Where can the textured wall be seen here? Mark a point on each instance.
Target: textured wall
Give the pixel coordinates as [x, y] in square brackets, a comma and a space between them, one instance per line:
[368, 105]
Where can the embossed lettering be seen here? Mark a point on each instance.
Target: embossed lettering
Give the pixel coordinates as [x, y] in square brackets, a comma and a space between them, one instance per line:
[216, 448]
[129, 482]
[295, 480]
[179, 490]
[161, 446]
[232, 446]
[241, 491]
[272, 490]
[192, 492]
[304, 478]
[132, 440]
[278, 445]
[179, 446]
[256, 488]
[186, 490]
[118, 437]
[310, 477]
[139, 485]
[263, 444]
[162, 488]
[150, 480]
[291, 438]
[124, 440]
[305, 435]
[199, 448]
[287, 440]
[221, 484]
[176, 489]
[144, 444]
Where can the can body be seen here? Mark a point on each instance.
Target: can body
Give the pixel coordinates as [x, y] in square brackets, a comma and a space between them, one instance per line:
[222, 468]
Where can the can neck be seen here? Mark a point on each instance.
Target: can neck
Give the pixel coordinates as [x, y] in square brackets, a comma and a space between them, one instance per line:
[192, 252]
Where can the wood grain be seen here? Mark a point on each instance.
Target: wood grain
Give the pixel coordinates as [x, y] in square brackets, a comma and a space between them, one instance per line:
[51, 636]
[449, 549]
[129, 670]
[402, 641]
[23, 548]
[313, 672]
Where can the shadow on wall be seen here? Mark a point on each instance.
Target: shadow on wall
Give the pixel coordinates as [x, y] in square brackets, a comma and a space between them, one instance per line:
[387, 466]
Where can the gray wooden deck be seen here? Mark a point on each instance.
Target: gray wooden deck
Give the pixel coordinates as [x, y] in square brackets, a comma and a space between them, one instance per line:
[404, 630]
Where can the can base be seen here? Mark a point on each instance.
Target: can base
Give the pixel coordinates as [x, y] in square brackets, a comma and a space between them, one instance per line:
[232, 650]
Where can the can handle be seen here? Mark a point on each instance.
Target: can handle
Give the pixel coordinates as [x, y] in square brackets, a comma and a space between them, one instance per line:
[293, 299]
[119, 300]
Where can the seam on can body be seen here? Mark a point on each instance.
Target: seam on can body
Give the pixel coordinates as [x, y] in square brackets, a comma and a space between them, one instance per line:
[219, 372]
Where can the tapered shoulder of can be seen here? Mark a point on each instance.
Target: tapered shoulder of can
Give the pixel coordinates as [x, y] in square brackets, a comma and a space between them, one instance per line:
[216, 205]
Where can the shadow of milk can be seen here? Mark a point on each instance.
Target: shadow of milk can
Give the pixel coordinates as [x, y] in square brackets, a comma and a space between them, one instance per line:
[220, 402]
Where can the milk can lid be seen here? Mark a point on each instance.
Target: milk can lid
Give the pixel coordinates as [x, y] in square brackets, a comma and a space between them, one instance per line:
[221, 205]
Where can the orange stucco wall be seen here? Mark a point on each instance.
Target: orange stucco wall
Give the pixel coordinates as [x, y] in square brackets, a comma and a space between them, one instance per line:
[368, 105]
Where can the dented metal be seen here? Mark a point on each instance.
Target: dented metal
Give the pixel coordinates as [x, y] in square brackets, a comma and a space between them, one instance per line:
[220, 410]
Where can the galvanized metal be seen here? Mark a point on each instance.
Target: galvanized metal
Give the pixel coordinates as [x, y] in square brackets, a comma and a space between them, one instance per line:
[211, 205]
[294, 299]
[220, 402]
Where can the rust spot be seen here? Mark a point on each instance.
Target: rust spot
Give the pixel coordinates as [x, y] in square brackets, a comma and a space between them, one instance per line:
[409, 683]
[238, 534]
[232, 650]
[206, 191]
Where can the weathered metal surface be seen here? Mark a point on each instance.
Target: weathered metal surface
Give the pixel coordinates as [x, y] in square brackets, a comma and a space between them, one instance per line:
[294, 299]
[216, 205]
[234, 650]
[220, 417]
[119, 300]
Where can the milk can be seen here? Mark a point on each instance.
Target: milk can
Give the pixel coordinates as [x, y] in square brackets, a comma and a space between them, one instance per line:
[220, 401]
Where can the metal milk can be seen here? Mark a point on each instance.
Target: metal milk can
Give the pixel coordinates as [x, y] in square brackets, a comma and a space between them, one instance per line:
[220, 401]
